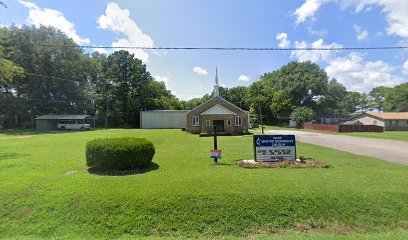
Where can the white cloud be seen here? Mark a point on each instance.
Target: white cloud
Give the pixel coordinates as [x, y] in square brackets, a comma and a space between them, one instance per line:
[405, 68]
[308, 10]
[356, 73]
[164, 79]
[200, 70]
[395, 12]
[283, 38]
[319, 33]
[315, 55]
[118, 20]
[49, 17]
[244, 78]
[360, 75]
[361, 33]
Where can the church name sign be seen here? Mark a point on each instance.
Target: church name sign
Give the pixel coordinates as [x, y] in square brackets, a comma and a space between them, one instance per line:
[272, 148]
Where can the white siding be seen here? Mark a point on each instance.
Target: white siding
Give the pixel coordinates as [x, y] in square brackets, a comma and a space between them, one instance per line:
[163, 119]
[369, 120]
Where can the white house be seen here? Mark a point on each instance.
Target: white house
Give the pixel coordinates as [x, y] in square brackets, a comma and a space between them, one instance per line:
[392, 121]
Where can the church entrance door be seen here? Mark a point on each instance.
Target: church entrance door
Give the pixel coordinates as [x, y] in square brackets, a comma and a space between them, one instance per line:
[219, 125]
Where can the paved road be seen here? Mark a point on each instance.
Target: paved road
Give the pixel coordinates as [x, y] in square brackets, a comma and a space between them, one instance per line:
[389, 150]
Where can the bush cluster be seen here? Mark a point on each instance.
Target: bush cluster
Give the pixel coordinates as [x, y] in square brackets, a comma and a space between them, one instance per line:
[119, 153]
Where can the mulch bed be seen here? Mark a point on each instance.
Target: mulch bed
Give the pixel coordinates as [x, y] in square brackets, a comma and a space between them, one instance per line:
[299, 163]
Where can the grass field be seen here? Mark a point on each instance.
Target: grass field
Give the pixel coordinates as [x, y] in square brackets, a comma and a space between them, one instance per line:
[390, 135]
[185, 195]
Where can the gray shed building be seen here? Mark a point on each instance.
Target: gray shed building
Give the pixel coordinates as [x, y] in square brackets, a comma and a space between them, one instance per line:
[163, 119]
[50, 122]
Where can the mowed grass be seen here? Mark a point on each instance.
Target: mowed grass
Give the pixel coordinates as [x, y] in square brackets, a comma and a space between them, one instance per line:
[186, 195]
[390, 135]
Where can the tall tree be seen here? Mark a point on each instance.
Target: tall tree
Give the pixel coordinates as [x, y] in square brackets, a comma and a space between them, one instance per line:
[331, 101]
[396, 99]
[295, 84]
[9, 71]
[377, 97]
[55, 77]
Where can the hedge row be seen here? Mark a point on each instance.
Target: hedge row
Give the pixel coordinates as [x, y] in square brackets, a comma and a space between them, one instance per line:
[119, 153]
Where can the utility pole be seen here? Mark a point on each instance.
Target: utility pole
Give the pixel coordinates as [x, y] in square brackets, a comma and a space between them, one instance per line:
[260, 110]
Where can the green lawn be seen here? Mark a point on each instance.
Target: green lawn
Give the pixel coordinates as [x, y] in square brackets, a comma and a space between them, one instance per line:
[186, 195]
[391, 135]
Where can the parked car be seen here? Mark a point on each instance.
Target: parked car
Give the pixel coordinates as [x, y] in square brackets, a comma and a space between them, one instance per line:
[73, 125]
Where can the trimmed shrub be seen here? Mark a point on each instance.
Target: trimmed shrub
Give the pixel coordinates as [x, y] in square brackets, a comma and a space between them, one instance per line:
[119, 153]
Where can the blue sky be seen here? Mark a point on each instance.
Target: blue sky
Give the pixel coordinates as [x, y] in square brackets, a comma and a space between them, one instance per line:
[234, 23]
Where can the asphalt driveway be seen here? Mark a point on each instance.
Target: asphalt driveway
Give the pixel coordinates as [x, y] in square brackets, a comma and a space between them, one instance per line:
[389, 150]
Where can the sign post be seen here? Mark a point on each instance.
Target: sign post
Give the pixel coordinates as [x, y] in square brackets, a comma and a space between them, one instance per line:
[272, 148]
[215, 153]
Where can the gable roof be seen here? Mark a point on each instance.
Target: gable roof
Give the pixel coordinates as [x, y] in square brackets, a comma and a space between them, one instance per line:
[217, 109]
[384, 115]
[218, 97]
[390, 115]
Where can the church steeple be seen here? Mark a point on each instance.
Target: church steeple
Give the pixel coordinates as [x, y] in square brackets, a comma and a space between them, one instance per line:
[216, 87]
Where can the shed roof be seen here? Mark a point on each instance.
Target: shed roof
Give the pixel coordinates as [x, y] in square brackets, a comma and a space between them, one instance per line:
[62, 117]
[390, 115]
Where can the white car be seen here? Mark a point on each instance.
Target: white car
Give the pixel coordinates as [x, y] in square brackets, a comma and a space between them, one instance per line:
[73, 125]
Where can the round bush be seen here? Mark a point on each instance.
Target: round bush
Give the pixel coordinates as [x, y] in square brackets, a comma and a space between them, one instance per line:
[119, 153]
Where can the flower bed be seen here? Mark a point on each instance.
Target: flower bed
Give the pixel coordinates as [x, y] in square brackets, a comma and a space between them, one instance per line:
[299, 163]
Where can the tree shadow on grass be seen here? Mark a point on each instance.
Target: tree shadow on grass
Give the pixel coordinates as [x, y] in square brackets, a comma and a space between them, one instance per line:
[152, 167]
[11, 155]
[25, 132]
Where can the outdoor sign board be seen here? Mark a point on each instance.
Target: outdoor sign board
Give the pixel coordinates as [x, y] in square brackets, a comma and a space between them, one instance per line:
[215, 153]
[272, 148]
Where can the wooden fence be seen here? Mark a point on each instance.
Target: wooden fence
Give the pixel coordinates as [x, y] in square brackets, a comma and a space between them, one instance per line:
[321, 127]
[360, 128]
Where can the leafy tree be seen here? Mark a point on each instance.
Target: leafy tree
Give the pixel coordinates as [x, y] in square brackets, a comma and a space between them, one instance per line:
[8, 72]
[295, 84]
[55, 79]
[331, 101]
[69, 80]
[129, 79]
[260, 99]
[302, 115]
[128, 87]
[396, 99]
[281, 106]
[377, 98]
[352, 102]
[236, 95]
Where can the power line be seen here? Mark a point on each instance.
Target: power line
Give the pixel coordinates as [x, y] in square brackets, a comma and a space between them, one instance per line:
[230, 48]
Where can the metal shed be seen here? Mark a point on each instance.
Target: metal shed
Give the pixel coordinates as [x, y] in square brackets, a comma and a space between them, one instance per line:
[163, 119]
[50, 122]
